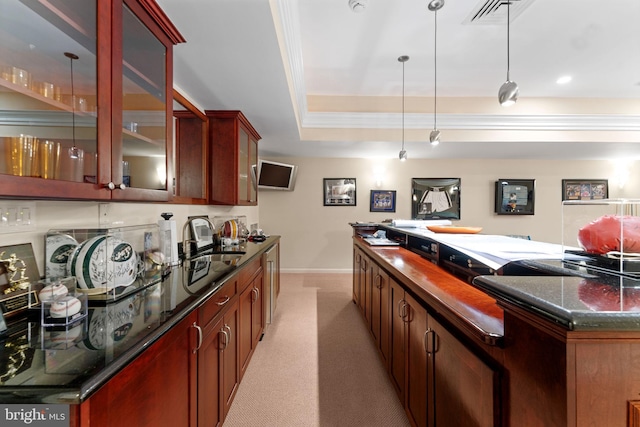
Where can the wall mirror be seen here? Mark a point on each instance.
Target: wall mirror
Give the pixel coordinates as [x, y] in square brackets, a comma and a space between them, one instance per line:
[190, 147]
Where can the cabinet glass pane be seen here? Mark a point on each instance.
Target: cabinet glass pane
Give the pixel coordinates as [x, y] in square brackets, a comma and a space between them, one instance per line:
[46, 130]
[243, 165]
[144, 145]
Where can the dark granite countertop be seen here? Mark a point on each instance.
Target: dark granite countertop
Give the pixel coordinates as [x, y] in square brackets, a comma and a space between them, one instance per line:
[38, 365]
[577, 303]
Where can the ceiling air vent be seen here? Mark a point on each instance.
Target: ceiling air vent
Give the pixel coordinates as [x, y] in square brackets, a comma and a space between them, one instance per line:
[494, 12]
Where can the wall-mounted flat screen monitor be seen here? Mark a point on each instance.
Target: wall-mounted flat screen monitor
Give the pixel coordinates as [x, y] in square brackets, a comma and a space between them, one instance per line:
[275, 176]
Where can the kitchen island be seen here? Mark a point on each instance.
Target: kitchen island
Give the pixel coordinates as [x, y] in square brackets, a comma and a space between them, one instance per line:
[172, 353]
[519, 346]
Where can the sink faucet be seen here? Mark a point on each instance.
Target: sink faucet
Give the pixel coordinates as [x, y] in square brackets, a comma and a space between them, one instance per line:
[186, 243]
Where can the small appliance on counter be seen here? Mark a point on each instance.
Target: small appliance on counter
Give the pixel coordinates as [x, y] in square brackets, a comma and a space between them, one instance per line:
[169, 239]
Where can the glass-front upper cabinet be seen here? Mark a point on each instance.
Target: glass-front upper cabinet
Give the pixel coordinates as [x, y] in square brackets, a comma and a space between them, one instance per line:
[83, 99]
[144, 107]
[48, 92]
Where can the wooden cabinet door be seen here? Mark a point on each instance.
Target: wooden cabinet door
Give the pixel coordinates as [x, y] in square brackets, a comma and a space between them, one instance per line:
[364, 267]
[397, 340]
[209, 376]
[416, 381]
[230, 357]
[374, 322]
[245, 335]
[233, 148]
[257, 310]
[357, 270]
[368, 289]
[157, 389]
[385, 325]
[464, 386]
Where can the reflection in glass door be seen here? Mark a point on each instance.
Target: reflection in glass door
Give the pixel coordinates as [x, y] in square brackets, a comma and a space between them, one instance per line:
[144, 145]
[48, 122]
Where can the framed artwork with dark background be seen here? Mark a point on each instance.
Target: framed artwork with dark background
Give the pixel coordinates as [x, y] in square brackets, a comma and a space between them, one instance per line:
[515, 196]
[435, 198]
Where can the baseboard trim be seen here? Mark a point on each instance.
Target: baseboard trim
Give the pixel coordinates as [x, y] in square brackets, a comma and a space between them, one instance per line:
[315, 270]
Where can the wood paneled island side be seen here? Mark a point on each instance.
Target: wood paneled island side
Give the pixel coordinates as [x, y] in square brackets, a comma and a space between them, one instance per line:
[496, 350]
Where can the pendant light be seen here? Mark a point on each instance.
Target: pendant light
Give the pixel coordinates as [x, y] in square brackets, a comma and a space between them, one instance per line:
[74, 152]
[403, 153]
[508, 93]
[434, 6]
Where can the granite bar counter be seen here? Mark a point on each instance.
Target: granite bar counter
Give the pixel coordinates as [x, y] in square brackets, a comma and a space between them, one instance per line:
[577, 303]
[66, 365]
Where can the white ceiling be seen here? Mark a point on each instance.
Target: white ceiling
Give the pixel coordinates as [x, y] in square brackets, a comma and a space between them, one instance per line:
[267, 58]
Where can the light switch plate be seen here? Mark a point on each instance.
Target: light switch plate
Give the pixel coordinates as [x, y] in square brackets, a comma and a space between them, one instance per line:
[17, 216]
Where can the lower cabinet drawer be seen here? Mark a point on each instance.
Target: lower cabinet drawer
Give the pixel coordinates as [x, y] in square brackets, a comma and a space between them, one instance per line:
[217, 302]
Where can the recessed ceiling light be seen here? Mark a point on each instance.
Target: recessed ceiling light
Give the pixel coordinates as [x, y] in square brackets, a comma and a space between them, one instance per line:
[563, 80]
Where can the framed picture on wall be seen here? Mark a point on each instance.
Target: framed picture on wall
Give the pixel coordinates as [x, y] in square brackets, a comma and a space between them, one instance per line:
[585, 189]
[435, 198]
[515, 196]
[339, 191]
[383, 201]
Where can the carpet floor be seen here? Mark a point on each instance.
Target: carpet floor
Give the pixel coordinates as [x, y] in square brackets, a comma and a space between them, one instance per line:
[316, 364]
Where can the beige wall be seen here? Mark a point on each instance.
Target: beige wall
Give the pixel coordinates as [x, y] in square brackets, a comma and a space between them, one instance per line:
[316, 238]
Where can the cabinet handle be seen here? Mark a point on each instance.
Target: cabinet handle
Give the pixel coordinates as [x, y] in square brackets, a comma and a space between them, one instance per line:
[406, 312]
[402, 309]
[227, 327]
[111, 186]
[224, 301]
[256, 294]
[426, 344]
[199, 329]
[225, 341]
[379, 281]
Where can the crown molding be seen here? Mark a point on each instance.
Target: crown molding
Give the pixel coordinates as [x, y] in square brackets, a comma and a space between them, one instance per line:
[569, 122]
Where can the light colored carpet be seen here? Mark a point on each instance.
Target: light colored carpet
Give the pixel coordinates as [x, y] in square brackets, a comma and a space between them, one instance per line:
[316, 365]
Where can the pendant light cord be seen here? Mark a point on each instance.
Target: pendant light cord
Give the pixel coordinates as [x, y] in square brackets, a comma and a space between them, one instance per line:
[73, 151]
[403, 105]
[435, 67]
[508, 35]
[73, 107]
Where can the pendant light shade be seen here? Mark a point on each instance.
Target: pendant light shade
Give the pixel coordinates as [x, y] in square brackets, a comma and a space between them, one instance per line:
[434, 6]
[403, 153]
[508, 93]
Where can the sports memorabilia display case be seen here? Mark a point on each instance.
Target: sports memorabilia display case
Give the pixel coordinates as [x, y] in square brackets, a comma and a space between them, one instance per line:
[107, 263]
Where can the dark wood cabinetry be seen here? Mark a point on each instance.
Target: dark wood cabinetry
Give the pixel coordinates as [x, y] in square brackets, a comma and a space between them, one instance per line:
[439, 380]
[251, 312]
[191, 152]
[464, 386]
[380, 311]
[233, 148]
[158, 389]
[217, 372]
